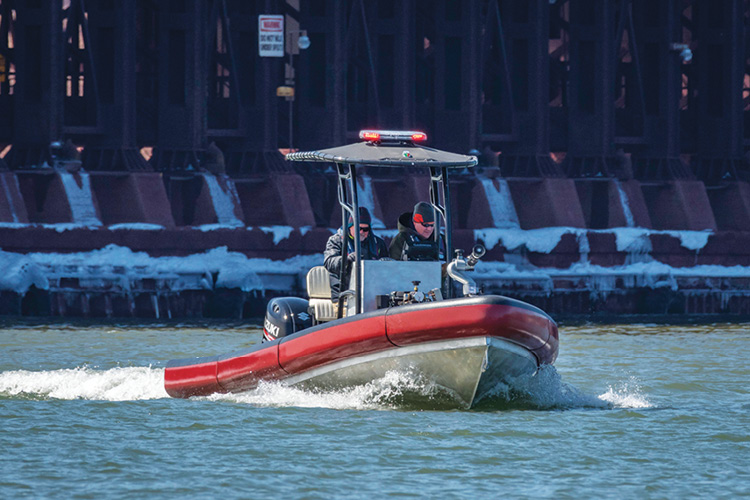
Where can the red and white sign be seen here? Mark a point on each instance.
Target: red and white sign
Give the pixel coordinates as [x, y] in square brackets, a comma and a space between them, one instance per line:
[271, 36]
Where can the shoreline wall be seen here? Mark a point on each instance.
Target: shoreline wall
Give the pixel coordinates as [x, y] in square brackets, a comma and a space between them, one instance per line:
[571, 246]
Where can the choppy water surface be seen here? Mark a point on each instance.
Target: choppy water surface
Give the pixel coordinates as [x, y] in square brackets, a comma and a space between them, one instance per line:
[629, 411]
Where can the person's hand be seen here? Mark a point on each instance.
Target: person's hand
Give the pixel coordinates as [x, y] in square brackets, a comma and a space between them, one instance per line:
[351, 257]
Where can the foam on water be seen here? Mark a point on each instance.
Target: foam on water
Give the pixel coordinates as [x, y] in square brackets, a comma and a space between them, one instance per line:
[626, 394]
[396, 390]
[115, 384]
[545, 390]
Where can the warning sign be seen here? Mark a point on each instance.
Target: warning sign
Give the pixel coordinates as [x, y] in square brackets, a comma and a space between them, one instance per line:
[271, 36]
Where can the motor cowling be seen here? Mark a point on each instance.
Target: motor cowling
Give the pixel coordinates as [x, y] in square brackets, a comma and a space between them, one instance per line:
[285, 316]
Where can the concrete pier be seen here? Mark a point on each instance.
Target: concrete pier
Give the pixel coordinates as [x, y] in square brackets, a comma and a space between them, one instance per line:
[546, 229]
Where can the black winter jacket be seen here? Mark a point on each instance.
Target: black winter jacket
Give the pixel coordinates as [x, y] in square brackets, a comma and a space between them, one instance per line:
[407, 234]
[373, 247]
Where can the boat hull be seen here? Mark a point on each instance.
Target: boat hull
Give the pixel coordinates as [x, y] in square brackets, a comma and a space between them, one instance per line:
[467, 370]
[465, 345]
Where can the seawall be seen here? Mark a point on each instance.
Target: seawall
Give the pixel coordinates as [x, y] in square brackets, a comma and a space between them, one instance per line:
[142, 244]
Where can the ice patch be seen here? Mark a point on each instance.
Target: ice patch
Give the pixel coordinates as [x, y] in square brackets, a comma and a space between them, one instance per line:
[214, 227]
[632, 240]
[584, 247]
[692, 240]
[68, 226]
[542, 240]
[80, 198]
[121, 265]
[629, 220]
[279, 232]
[501, 203]
[367, 200]
[135, 226]
[116, 384]
[19, 273]
[224, 201]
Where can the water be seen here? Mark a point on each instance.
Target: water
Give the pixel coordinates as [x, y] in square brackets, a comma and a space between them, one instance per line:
[630, 411]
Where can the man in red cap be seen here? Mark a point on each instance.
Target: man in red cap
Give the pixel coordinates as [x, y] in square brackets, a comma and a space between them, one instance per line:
[416, 238]
[372, 246]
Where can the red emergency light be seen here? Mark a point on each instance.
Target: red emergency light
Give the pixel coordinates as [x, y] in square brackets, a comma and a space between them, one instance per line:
[392, 136]
[369, 135]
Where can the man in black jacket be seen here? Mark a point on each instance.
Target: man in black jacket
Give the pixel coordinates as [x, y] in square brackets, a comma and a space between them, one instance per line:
[416, 239]
[373, 247]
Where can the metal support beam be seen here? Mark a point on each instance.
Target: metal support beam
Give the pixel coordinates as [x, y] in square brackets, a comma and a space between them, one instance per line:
[591, 110]
[39, 82]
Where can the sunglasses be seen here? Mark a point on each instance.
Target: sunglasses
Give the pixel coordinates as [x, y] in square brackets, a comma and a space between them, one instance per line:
[427, 224]
[365, 229]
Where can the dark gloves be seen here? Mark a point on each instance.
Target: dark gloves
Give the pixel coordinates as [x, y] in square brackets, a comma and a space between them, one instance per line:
[351, 257]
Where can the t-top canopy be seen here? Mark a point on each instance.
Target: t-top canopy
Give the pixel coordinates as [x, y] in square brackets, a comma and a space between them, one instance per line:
[387, 155]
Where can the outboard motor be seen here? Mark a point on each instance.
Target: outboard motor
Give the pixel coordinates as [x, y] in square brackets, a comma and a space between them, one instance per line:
[285, 316]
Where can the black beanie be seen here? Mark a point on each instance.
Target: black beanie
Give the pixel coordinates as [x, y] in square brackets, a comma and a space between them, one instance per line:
[364, 217]
[423, 212]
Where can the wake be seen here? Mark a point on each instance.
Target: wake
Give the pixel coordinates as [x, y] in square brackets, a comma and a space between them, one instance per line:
[545, 390]
[397, 390]
[116, 384]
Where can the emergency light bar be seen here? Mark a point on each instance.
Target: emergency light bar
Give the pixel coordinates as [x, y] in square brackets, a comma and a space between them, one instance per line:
[392, 135]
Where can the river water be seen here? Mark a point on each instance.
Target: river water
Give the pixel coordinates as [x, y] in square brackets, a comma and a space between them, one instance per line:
[628, 411]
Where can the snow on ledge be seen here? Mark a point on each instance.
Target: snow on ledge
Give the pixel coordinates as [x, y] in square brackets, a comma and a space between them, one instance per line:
[135, 226]
[215, 227]
[228, 269]
[220, 267]
[20, 273]
[544, 240]
[279, 232]
[692, 240]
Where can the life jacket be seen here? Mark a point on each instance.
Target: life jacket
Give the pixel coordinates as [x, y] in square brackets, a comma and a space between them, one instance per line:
[414, 246]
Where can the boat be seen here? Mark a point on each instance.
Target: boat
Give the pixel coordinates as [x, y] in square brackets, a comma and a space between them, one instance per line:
[424, 316]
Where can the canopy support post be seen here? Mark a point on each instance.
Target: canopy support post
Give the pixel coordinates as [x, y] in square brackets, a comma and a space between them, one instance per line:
[349, 201]
[439, 186]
